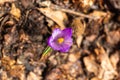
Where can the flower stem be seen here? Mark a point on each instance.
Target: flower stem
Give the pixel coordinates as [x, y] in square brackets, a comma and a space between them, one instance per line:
[48, 49]
[45, 52]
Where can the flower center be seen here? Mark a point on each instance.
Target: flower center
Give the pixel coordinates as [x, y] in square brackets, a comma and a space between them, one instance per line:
[60, 40]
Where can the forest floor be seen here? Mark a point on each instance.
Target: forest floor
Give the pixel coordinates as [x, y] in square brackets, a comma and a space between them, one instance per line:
[26, 25]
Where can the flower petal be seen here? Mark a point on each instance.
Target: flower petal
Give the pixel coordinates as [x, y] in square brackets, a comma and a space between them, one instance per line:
[51, 42]
[64, 48]
[67, 32]
[68, 41]
[56, 32]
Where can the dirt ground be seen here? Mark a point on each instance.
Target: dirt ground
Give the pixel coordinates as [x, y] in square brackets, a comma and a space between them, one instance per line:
[25, 26]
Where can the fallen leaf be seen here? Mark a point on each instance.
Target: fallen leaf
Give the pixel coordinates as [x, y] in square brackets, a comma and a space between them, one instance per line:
[71, 70]
[91, 38]
[11, 37]
[7, 62]
[114, 58]
[105, 16]
[33, 76]
[113, 39]
[17, 71]
[107, 70]
[15, 11]
[83, 4]
[24, 37]
[3, 1]
[57, 16]
[55, 74]
[4, 75]
[95, 78]
[74, 57]
[91, 65]
[79, 26]
[98, 13]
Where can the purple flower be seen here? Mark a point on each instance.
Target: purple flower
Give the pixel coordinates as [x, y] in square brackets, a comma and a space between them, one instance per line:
[61, 40]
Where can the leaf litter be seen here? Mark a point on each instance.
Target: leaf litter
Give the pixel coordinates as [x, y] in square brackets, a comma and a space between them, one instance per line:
[25, 26]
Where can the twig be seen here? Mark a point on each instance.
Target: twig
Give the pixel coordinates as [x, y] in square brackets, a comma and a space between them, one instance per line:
[55, 7]
[72, 12]
[77, 13]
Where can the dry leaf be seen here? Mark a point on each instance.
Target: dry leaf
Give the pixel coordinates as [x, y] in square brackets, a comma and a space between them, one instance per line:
[74, 57]
[106, 16]
[24, 37]
[55, 74]
[87, 3]
[91, 38]
[91, 65]
[107, 71]
[98, 14]
[57, 16]
[45, 3]
[113, 39]
[79, 26]
[4, 75]
[17, 71]
[7, 62]
[114, 58]
[71, 70]
[33, 76]
[15, 11]
[12, 37]
[3, 1]
[14, 70]
[83, 5]
[95, 78]
[115, 4]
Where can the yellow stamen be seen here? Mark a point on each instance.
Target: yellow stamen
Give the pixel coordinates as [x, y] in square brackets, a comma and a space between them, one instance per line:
[60, 40]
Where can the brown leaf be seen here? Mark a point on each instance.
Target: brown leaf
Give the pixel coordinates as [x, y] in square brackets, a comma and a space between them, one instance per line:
[4, 75]
[91, 38]
[114, 58]
[74, 57]
[105, 16]
[98, 13]
[55, 74]
[15, 11]
[79, 26]
[12, 37]
[7, 62]
[71, 70]
[83, 5]
[57, 16]
[24, 37]
[113, 39]
[95, 78]
[3, 1]
[14, 70]
[91, 65]
[107, 71]
[17, 71]
[33, 76]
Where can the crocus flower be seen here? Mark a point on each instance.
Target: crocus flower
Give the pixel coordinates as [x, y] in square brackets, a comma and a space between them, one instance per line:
[61, 40]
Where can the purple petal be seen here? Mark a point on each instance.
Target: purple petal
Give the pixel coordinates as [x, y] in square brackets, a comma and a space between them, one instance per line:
[53, 44]
[64, 48]
[66, 45]
[68, 41]
[67, 32]
[56, 32]
[49, 41]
